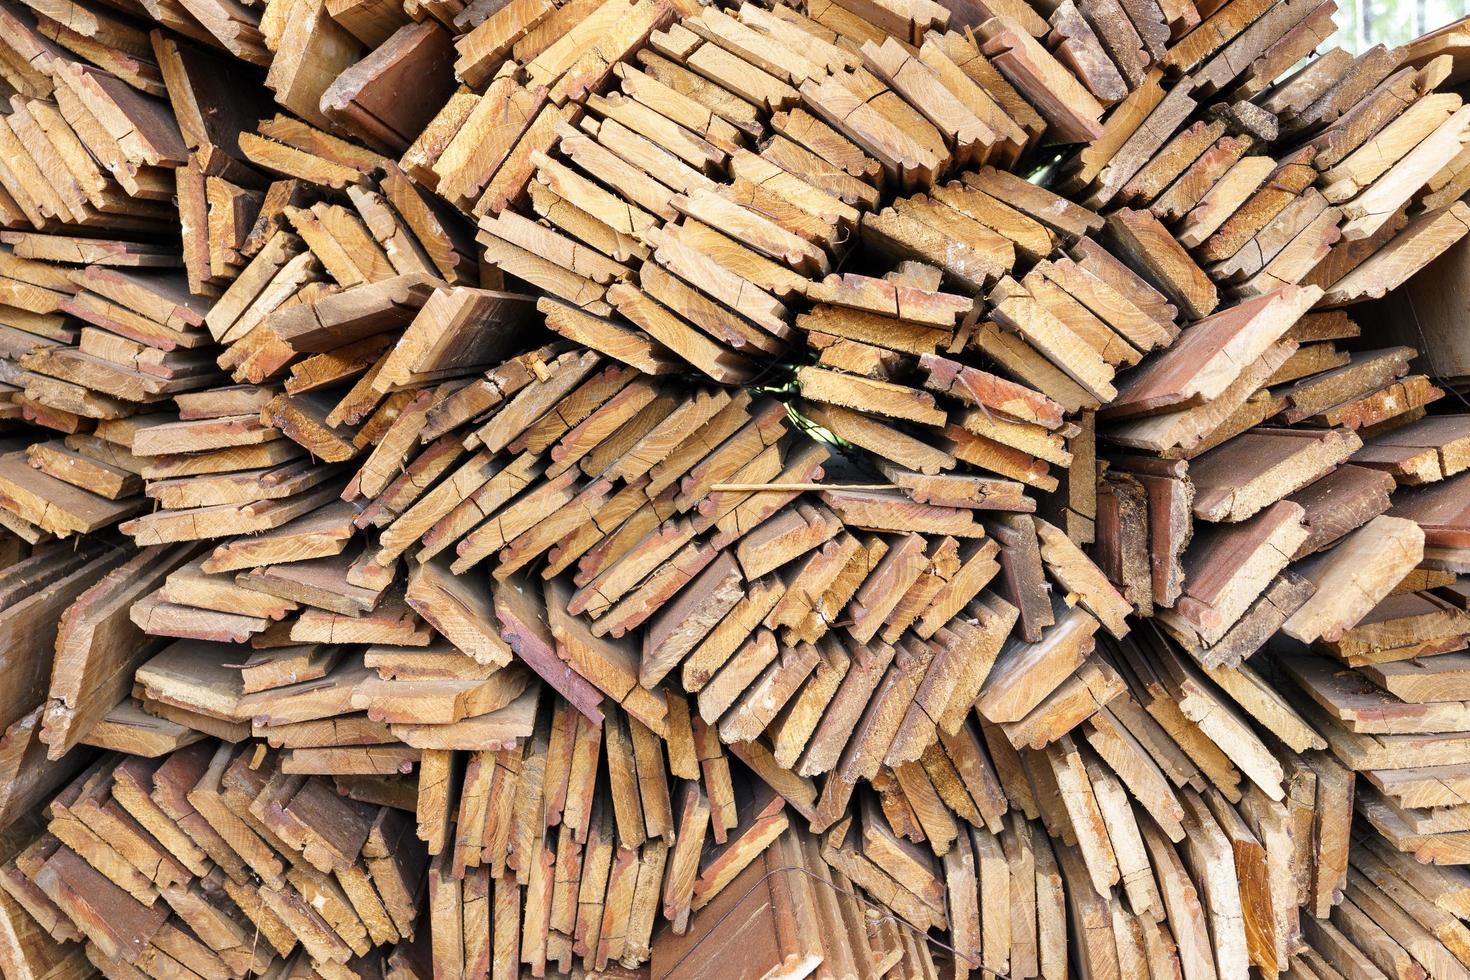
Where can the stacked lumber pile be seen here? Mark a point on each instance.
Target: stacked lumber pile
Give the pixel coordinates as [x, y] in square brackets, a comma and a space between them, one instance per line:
[867, 488]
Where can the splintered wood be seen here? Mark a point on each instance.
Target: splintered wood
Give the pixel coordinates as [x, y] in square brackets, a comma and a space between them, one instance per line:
[848, 488]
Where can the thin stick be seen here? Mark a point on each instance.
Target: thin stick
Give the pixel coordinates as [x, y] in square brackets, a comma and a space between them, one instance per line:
[788, 487]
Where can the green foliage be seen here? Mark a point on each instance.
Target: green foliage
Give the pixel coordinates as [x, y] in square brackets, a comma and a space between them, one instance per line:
[1364, 23]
